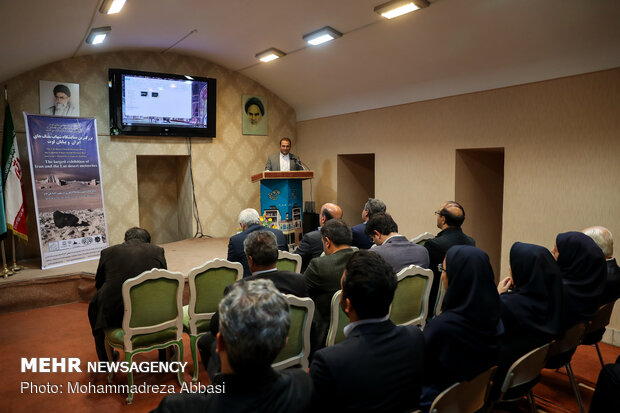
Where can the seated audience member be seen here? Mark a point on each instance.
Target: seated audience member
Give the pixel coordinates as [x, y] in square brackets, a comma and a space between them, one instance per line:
[254, 322]
[323, 274]
[249, 221]
[378, 367]
[532, 311]
[361, 239]
[462, 341]
[583, 276]
[604, 239]
[450, 217]
[117, 264]
[393, 247]
[606, 395]
[261, 250]
[311, 246]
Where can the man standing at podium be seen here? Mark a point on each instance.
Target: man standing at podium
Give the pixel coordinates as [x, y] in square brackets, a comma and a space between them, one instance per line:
[284, 161]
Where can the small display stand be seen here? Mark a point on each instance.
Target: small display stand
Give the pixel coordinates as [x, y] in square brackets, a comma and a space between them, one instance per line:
[281, 199]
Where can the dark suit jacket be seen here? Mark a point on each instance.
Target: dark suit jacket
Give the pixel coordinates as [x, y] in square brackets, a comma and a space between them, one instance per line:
[273, 162]
[236, 252]
[437, 248]
[323, 280]
[278, 392]
[360, 239]
[612, 287]
[399, 253]
[310, 247]
[377, 368]
[116, 265]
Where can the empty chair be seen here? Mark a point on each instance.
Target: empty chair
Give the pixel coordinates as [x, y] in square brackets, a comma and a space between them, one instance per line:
[153, 318]
[561, 352]
[297, 348]
[337, 320]
[595, 330]
[287, 261]
[410, 303]
[524, 374]
[206, 287]
[465, 397]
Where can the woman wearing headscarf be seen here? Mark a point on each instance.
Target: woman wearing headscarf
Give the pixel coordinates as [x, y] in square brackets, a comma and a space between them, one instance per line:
[532, 312]
[584, 270]
[462, 341]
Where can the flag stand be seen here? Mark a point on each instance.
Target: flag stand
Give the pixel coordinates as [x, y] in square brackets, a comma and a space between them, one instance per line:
[15, 267]
[5, 272]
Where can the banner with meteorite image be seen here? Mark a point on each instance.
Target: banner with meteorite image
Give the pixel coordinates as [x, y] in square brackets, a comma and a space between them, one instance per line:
[66, 180]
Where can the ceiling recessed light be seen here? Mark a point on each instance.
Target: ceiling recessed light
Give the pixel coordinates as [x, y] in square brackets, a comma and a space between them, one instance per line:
[270, 54]
[321, 36]
[98, 35]
[111, 6]
[397, 8]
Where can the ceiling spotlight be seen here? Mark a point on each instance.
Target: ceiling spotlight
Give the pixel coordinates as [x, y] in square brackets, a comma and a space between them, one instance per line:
[98, 35]
[397, 8]
[111, 6]
[321, 36]
[270, 54]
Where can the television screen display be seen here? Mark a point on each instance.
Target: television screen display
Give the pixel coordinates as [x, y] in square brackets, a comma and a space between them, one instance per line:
[158, 104]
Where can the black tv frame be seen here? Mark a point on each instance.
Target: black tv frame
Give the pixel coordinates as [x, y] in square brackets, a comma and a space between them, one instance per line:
[116, 110]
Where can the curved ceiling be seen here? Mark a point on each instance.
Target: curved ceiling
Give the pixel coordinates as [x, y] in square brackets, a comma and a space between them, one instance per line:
[449, 48]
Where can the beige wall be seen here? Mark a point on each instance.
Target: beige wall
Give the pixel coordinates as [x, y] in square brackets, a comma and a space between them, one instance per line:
[562, 155]
[222, 166]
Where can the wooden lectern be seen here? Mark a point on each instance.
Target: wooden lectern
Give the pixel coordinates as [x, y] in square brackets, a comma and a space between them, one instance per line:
[281, 199]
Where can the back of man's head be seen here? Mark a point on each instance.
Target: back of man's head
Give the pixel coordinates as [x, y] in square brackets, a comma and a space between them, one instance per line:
[374, 206]
[603, 238]
[331, 211]
[137, 233]
[337, 231]
[382, 223]
[262, 246]
[454, 213]
[254, 324]
[369, 283]
[249, 217]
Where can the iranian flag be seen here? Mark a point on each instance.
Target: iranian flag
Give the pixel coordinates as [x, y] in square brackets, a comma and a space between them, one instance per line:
[15, 206]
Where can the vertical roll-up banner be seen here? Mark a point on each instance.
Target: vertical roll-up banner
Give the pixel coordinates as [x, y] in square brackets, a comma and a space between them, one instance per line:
[66, 181]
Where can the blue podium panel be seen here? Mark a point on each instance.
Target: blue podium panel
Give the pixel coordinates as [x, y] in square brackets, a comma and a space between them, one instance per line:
[282, 200]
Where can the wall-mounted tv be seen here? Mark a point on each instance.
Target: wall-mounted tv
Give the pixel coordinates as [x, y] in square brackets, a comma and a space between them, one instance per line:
[160, 104]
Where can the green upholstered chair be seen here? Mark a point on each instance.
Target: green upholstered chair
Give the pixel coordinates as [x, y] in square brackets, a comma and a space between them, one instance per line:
[441, 293]
[421, 239]
[337, 320]
[410, 303]
[153, 318]
[467, 396]
[206, 288]
[297, 348]
[287, 261]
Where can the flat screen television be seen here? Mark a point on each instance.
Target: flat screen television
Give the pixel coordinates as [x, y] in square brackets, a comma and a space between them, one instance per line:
[161, 104]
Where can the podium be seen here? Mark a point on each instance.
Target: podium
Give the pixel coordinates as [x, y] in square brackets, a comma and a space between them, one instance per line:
[281, 199]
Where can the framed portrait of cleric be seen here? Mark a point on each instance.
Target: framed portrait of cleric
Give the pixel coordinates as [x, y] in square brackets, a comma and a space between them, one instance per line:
[59, 98]
[255, 113]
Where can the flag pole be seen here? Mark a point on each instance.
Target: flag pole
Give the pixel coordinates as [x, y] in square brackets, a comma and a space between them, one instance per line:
[5, 270]
[15, 267]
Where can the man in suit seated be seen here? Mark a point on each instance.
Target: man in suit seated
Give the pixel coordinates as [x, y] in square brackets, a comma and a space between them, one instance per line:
[261, 249]
[117, 264]
[378, 366]
[604, 239]
[450, 217]
[393, 247]
[323, 274]
[311, 246]
[249, 221]
[284, 161]
[254, 322]
[360, 238]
